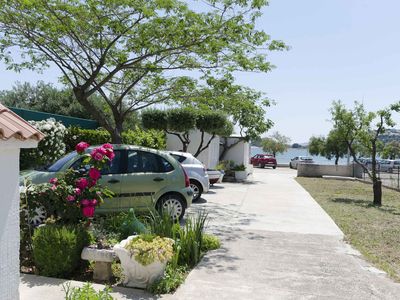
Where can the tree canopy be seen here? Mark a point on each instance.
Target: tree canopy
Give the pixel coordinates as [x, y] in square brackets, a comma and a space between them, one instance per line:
[276, 143]
[180, 121]
[124, 50]
[333, 146]
[360, 130]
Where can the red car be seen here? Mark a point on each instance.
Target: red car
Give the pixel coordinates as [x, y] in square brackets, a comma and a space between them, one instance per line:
[262, 160]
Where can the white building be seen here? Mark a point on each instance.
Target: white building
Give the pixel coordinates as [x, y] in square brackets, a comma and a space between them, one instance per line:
[15, 133]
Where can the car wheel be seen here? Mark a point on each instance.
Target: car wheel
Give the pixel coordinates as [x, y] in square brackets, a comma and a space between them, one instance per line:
[274, 167]
[173, 204]
[197, 189]
[263, 166]
[290, 165]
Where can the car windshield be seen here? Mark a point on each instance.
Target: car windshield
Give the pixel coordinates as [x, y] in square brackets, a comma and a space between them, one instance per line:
[61, 162]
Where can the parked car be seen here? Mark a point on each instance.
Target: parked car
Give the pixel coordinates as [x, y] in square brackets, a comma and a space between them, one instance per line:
[141, 178]
[300, 160]
[386, 165]
[215, 176]
[199, 181]
[263, 160]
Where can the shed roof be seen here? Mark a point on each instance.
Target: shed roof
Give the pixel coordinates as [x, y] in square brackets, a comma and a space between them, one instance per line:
[13, 126]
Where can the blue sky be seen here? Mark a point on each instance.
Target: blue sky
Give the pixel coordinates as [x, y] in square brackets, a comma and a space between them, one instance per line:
[340, 49]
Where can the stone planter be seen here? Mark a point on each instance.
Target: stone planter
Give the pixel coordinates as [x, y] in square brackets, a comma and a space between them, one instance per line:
[103, 259]
[240, 175]
[137, 275]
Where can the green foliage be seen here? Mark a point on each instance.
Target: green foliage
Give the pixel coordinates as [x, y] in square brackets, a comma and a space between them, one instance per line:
[210, 242]
[316, 145]
[225, 165]
[334, 146]
[181, 120]
[57, 249]
[172, 279]
[86, 292]
[161, 223]
[155, 119]
[277, 143]
[123, 50]
[241, 167]
[147, 248]
[121, 224]
[391, 150]
[149, 138]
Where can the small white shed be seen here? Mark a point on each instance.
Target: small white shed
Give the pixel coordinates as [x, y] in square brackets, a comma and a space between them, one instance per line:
[15, 133]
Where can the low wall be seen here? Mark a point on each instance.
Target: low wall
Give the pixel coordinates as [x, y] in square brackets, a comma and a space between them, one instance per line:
[313, 170]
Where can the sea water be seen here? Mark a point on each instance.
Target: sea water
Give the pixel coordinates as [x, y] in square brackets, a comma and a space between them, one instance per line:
[285, 157]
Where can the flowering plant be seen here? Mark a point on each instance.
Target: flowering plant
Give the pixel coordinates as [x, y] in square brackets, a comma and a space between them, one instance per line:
[51, 148]
[84, 191]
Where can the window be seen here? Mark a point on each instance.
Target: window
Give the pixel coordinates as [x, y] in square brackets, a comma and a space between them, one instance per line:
[146, 162]
[61, 162]
[114, 165]
[179, 158]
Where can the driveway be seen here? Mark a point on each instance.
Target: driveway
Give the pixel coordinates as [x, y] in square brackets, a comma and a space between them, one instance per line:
[278, 244]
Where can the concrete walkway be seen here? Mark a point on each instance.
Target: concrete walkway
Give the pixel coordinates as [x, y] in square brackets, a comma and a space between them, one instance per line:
[277, 244]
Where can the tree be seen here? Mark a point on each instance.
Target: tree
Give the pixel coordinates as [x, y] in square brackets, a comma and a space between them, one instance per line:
[180, 121]
[357, 128]
[331, 147]
[391, 150]
[277, 143]
[245, 107]
[123, 50]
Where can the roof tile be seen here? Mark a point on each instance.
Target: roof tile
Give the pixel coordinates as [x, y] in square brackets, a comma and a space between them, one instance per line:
[13, 126]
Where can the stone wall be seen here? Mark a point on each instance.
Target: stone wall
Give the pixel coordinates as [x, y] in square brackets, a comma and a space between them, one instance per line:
[314, 170]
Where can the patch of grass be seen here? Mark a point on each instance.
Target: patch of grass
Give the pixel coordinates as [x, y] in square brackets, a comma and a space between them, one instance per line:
[374, 231]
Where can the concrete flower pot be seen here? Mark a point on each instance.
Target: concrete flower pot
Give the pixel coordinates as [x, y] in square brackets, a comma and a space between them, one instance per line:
[136, 274]
[240, 175]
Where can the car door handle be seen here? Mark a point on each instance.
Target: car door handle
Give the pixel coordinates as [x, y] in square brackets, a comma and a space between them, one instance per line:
[113, 181]
[158, 179]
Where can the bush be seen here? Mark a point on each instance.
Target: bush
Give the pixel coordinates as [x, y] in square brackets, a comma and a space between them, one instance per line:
[172, 279]
[86, 292]
[51, 148]
[241, 167]
[57, 249]
[210, 242]
[149, 138]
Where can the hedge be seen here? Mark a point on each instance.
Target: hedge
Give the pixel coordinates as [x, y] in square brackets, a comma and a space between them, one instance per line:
[149, 138]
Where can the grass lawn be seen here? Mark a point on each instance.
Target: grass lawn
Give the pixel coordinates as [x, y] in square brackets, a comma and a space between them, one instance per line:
[374, 231]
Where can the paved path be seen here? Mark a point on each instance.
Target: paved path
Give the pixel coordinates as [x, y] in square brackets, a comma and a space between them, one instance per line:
[279, 244]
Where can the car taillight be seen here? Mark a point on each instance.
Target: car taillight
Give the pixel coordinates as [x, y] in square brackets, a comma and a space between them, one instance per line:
[187, 180]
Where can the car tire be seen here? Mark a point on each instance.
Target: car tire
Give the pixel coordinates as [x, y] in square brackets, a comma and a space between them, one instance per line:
[174, 203]
[274, 167]
[197, 189]
[263, 166]
[290, 165]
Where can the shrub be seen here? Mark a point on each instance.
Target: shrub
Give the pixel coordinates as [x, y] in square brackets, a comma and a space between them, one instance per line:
[162, 224]
[172, 279]
[210, 242]
[241, 167]
[86, 292]
[57, 249]
[146, 138]
[49, 149]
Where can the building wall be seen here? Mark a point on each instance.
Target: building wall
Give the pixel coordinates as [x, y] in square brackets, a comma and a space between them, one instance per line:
[313, 170]
[208, 157]
[240, 153]
[9, 223]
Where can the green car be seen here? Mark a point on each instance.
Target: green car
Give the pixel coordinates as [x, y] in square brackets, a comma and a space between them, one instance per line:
[141, 178]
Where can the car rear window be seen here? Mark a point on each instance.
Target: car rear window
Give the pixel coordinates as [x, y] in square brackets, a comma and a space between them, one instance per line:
[179, 158]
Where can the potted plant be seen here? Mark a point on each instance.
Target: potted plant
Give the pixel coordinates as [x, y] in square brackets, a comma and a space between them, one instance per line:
[240, 172]
[143, 258]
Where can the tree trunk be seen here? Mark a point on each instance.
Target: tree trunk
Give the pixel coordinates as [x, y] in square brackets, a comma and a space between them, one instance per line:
[336, 160]
[377, 187]
[116, 134]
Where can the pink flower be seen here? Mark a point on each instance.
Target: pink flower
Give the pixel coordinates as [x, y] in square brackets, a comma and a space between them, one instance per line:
[94, 173]
[96, 154]
[102, 150]
[77, 191]
[108, 146]
[70, 198]
[81, 147]
[110, 155]
[88, 211]
[92, 182]
[53, 181]
[85, 202]
[94, 202]
[53, 187]
[82, 183]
